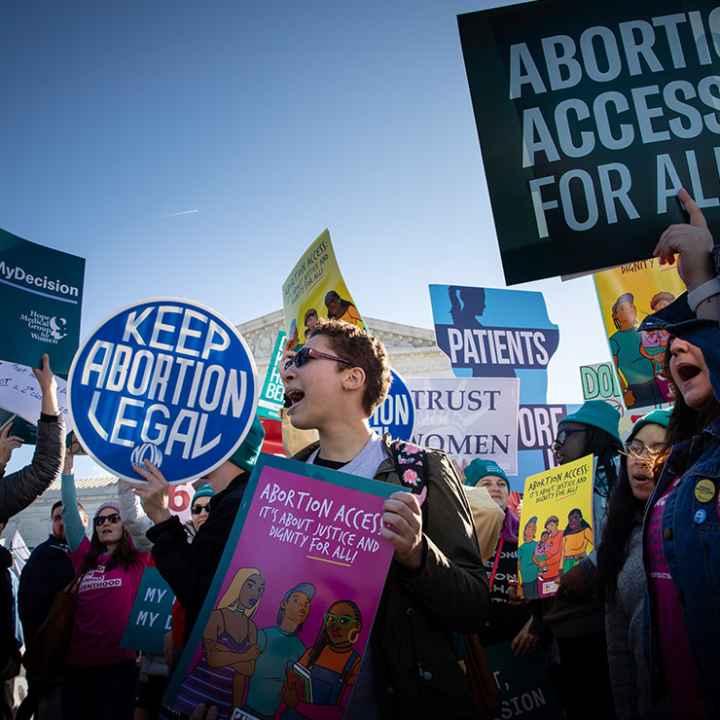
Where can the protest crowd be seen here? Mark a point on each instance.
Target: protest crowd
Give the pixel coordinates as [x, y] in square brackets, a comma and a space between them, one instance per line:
[634, 619]
[567, 567]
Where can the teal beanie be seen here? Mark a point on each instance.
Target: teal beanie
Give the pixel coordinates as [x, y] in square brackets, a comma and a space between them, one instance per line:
[478, 469]
[247, 454]
[203, 491]
[598, 414]
[656, 417]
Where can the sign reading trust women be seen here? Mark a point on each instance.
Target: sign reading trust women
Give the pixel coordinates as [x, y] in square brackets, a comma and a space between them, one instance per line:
[164, 380]
[591, 117]
[40, 302]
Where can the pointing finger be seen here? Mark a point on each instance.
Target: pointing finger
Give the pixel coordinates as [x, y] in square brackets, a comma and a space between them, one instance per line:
[694, 212]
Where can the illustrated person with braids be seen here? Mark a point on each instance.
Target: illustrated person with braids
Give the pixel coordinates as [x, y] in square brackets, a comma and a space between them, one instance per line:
[344, 310]
[577, 538]
[230, 648]
[332, 665]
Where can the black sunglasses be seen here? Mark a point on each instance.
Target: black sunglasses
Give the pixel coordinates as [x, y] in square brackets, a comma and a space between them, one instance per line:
[563, 435]
[100, 520]
[197, 509]
[305, 354]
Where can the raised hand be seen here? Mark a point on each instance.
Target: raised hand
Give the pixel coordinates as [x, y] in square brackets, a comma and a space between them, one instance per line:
[154, 495]
[48, 386]
[8, 443]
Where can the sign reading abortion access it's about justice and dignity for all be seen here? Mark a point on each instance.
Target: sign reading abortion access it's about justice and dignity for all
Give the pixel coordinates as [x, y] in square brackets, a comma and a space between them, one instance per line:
[591, 118]
[164, 380]
[41, 298]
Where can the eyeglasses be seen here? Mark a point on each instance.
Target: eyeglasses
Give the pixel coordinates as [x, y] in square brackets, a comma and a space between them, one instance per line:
[563, 435]
[638, 449]
[100, 520]
[341, 620]
[197, 509]
[305, 354]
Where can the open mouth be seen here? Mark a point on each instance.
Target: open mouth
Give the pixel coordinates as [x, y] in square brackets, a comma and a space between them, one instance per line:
[293, 397]
[686, 371]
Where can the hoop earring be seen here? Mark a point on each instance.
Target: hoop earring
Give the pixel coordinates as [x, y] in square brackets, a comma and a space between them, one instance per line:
[353, 636]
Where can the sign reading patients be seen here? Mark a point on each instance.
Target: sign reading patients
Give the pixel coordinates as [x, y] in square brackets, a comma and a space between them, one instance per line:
[591, 118]
[397, 414]
[164, 380]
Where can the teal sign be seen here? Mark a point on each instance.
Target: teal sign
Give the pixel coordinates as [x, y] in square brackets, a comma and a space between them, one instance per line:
[272, 395]
[591, 118]
[41, 293]
[151, 615]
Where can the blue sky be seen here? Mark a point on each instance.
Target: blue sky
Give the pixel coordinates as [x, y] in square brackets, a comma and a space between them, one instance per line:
[271, 120]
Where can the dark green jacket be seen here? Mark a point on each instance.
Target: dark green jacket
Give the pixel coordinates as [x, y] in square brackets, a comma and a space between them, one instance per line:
[414, 644]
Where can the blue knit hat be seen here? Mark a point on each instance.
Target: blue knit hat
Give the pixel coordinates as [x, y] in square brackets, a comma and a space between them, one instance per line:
[247, 454]
[203, 491]
[656, 417]
[598, 414]
[478, 469]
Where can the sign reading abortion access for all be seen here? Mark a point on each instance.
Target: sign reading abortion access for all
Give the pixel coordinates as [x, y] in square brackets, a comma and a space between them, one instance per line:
[315, 289]
[397, 414]
[556, 526]
[303, 569]
[627, 295]
[41, 292]
[164, 380]
[151, 615]
[591, 118]
[272, 395]
[468, 418]
[496, 333]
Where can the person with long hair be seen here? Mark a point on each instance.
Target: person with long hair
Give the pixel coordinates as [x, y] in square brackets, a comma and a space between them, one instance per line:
[100, 675]
[620, 564]
[577, 538]
[229, 649]
[330, 666]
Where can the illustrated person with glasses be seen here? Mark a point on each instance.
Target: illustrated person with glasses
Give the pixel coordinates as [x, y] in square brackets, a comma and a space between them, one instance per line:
[436, 592]
[100, 675]
[620, 564]
[576, 615]
[329, 668]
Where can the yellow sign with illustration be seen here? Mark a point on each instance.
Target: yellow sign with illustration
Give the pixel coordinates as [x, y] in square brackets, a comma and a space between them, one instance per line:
[314, 290]
[627, 294]
[556, 526]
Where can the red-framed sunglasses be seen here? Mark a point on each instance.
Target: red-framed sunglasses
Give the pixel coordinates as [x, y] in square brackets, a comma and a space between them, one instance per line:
[305, 354]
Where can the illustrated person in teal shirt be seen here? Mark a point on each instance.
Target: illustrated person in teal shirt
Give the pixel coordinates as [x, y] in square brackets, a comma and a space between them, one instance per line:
[280, 647]
[636, 372]
[529, 570]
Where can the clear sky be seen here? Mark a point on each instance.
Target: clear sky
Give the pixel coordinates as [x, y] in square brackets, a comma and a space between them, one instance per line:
[196, 149]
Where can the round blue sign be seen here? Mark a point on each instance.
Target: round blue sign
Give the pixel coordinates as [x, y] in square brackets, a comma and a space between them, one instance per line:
[397, 414]
[163, 380]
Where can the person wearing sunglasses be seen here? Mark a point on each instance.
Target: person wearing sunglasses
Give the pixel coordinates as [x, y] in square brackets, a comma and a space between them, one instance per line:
[620, 564]
[200, 507]
[576, 615]
[436, 591]
[100, 675]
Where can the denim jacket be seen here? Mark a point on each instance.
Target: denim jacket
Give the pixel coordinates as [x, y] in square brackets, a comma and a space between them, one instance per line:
[691, 540]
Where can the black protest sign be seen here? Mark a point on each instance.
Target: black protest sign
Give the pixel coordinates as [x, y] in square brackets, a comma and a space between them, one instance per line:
[591, 117]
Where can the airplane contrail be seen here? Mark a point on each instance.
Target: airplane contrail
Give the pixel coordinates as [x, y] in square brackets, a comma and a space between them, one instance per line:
[182, 212]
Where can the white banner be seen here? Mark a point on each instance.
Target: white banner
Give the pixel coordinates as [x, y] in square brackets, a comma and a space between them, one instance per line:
[468, 418]
[20, 393]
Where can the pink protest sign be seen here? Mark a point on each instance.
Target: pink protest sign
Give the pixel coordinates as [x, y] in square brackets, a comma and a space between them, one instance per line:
[285, 626]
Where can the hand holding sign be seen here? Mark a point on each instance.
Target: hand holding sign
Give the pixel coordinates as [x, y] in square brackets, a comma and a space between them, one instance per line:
[8, 443]
[692, 241]
[48, 386]
[402, 526]
[154, 495]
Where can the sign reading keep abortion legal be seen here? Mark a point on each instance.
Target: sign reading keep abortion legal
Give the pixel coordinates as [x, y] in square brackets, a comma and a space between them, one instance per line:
[591, 118]
[164, 380]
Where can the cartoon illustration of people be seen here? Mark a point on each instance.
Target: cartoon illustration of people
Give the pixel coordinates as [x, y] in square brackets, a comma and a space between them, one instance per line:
[326, 671]
[528, 568]
[577, 539]
[553, 549]
[540, 556]
[310, 320]
[339, 309]
[230, 649]
[654, 344]
[635, 370]
[280, 648]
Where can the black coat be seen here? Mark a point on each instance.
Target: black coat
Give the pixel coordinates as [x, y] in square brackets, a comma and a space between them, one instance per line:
[189, 568]
[47, 571]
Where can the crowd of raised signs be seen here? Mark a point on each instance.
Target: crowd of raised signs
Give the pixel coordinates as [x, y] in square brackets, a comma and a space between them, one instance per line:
[633, 631]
